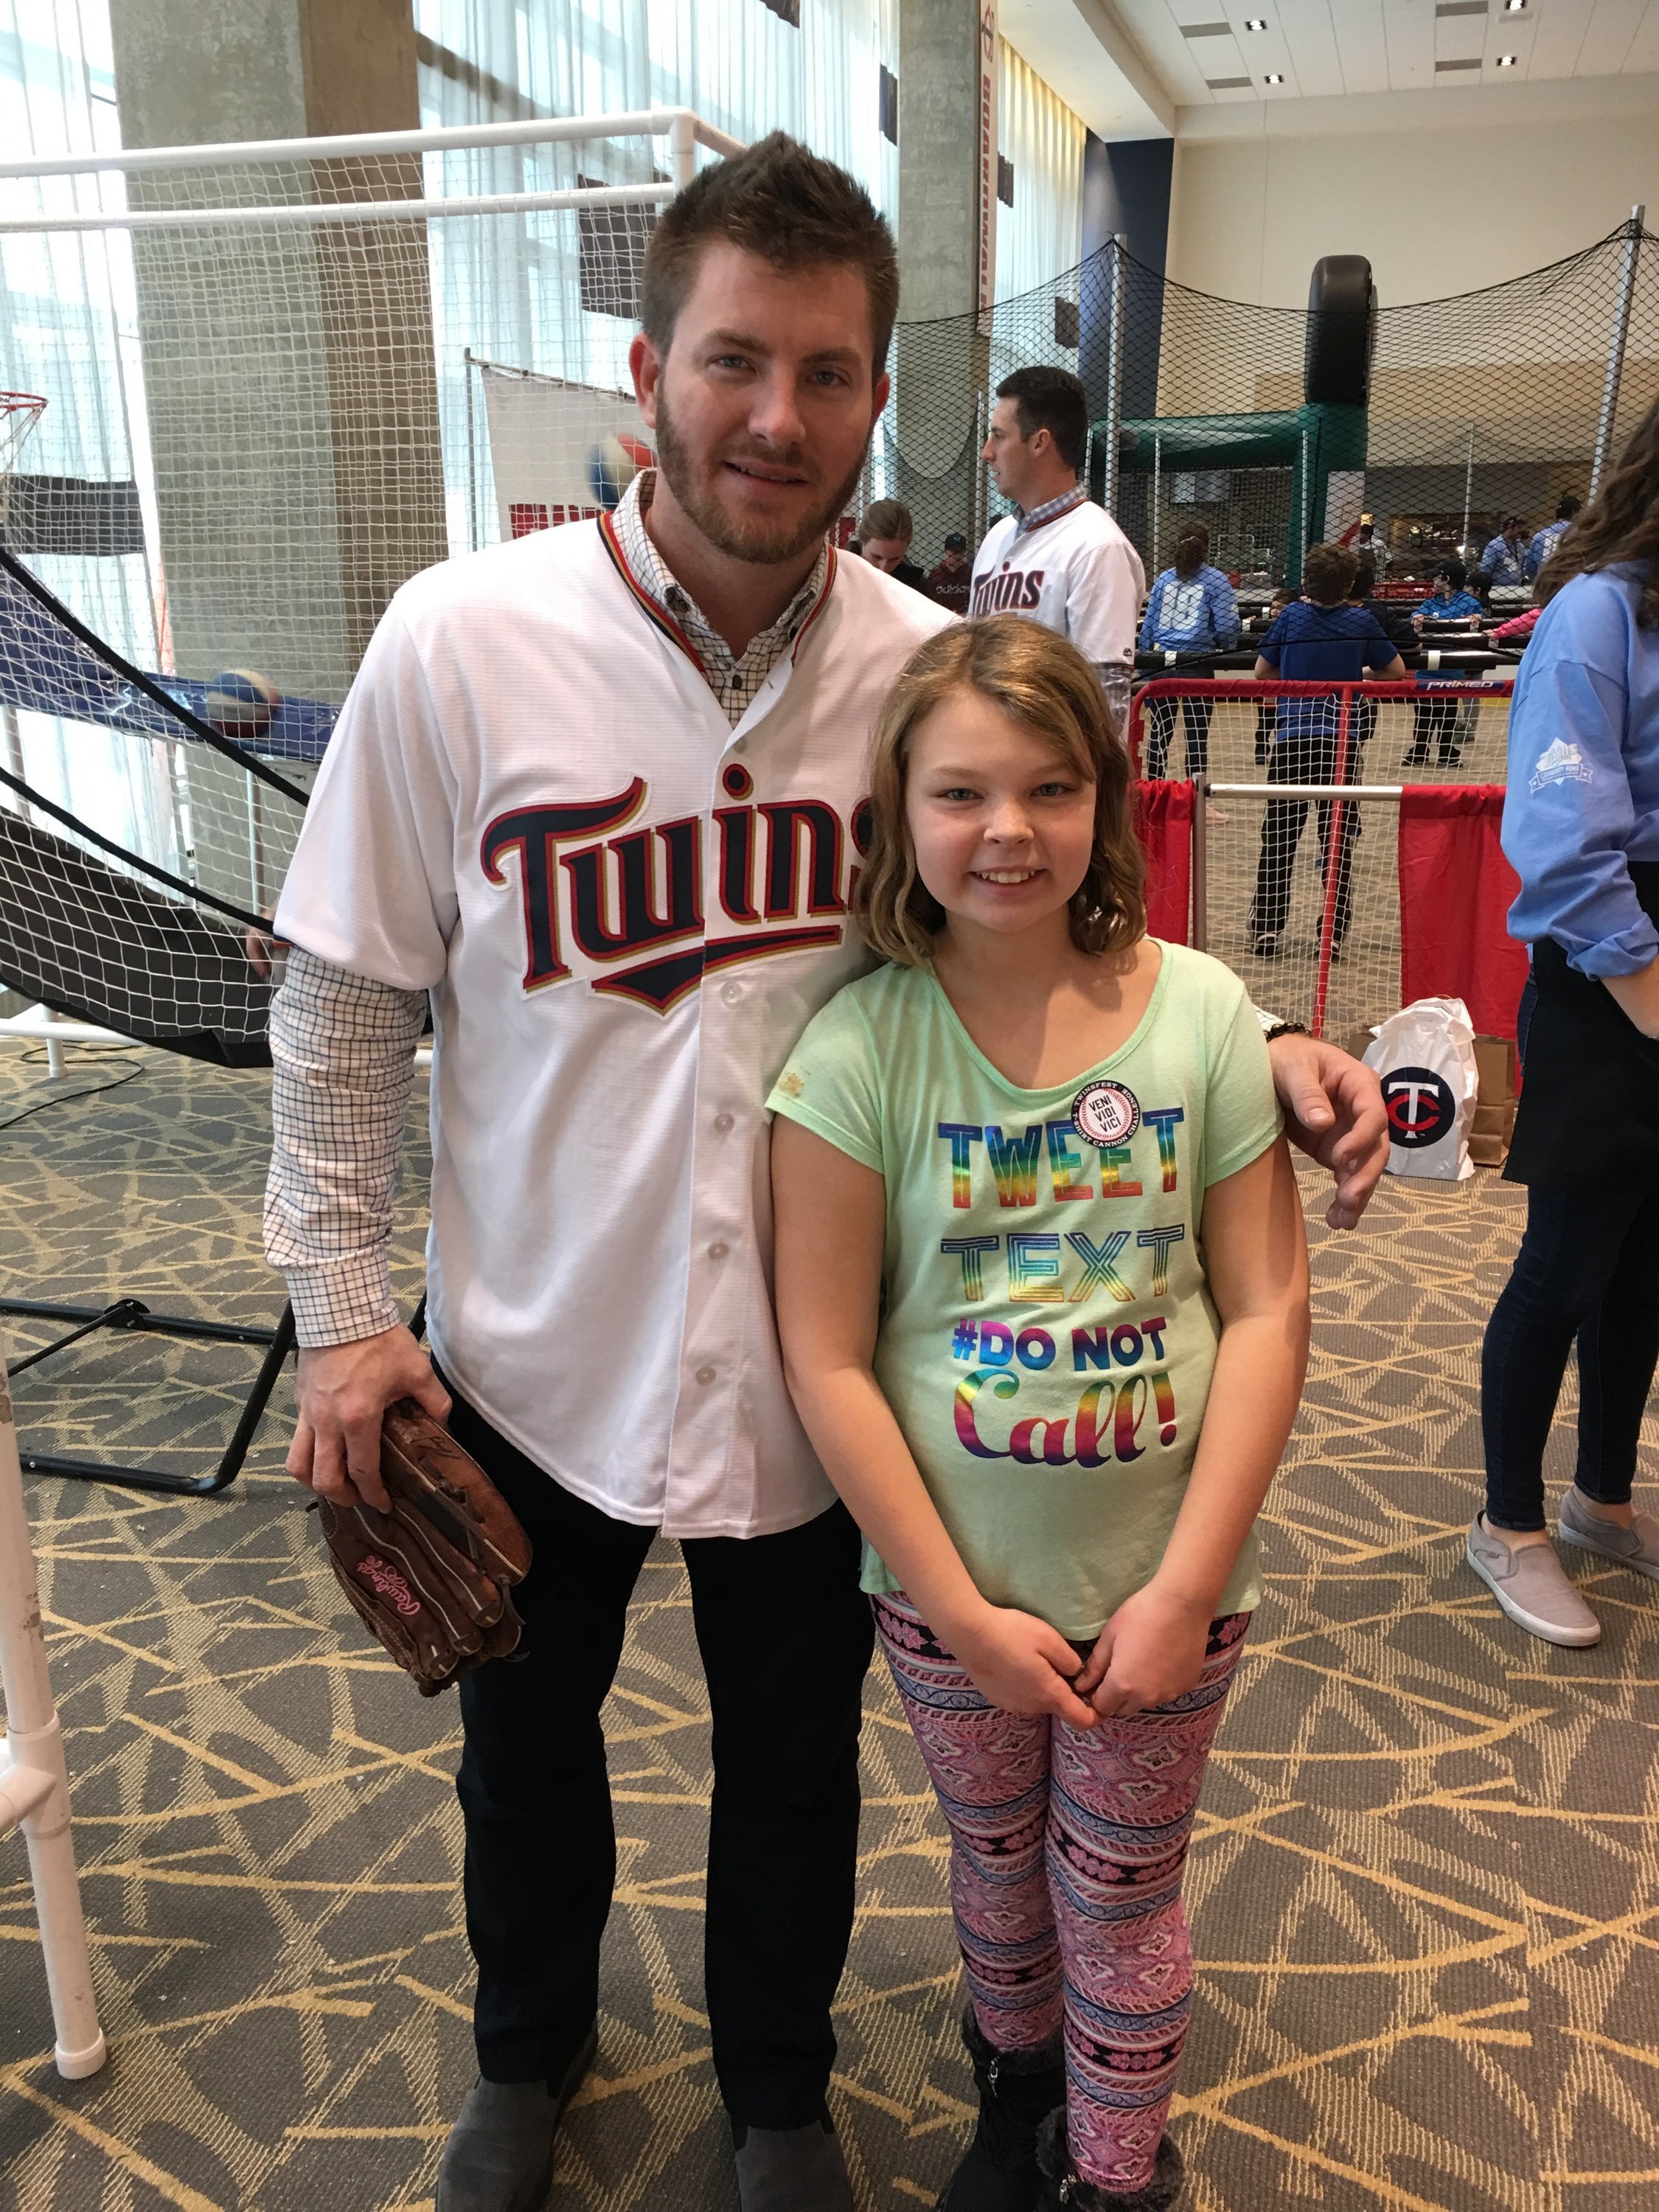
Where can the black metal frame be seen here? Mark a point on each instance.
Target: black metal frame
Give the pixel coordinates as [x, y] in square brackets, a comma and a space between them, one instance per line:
[133, 1314]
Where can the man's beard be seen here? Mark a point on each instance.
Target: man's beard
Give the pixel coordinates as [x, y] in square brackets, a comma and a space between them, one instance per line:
[765, 544]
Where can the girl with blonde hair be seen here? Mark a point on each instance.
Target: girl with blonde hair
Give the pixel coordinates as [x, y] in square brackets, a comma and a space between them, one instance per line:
[1041, 1286]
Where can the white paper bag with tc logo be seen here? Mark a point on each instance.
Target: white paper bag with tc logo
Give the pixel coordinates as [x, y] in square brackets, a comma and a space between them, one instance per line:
[1425, 1057]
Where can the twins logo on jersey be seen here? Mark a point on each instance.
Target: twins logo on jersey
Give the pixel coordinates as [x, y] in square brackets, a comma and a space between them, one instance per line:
[1009, 588]
[632, 901]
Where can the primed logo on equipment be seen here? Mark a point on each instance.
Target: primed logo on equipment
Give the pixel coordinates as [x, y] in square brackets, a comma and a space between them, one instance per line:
[1420, 1106]
[384, 1581]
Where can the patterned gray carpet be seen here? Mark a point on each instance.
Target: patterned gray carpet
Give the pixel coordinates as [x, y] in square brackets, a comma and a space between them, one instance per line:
[1425, 1887]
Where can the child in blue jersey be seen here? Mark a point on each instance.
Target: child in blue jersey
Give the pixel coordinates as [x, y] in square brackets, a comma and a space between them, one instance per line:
[1581, 826]
[1434, 721]
[1190, 609]
[1319, 638]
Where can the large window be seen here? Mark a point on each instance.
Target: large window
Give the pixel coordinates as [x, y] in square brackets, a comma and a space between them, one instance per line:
[1039, 235]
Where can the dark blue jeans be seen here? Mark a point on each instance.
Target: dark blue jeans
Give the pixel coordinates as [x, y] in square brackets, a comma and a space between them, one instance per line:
[1196, 713]
[1588, 1268]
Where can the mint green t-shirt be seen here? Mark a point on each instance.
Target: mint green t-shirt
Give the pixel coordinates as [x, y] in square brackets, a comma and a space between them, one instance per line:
[1048, 1335]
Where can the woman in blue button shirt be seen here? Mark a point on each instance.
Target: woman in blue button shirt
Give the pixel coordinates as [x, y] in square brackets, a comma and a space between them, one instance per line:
[1434, 721]
[1190, 609]
[1504, 561]
[1580, 826]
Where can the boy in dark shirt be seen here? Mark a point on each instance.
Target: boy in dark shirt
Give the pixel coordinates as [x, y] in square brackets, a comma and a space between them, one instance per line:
[949, 580]
[1317, 639]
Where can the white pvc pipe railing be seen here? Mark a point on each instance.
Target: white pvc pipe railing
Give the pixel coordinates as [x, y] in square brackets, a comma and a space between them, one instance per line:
[685, 131]
[639, 122]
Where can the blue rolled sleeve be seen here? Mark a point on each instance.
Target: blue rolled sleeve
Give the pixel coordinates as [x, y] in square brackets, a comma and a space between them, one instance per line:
[1583, 798]
[1224, 611]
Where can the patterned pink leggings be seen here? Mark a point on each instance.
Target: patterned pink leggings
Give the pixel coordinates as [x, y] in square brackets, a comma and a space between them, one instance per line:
[1067, 1849]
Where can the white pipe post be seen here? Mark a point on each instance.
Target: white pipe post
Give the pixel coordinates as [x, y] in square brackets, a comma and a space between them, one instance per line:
[1114, 379]
[683, 148]
[1464, 548]
[34, 1778]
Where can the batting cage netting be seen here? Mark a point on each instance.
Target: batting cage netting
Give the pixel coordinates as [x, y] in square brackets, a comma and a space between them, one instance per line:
[280, 379]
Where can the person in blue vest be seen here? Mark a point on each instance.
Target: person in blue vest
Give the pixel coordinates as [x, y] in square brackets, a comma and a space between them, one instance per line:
[1581, 828]
[1319, 638]
[1550, 537]
[1190, 609]
[1504, 561]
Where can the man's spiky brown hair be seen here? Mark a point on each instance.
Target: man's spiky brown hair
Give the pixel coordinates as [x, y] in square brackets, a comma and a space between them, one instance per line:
[779, 201]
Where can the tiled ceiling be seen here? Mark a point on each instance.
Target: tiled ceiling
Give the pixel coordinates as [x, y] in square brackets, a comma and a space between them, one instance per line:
[1204, 53]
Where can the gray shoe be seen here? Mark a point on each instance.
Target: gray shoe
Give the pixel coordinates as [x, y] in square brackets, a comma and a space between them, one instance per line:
[792, 2169]
[498, 2157]
[1531, 1585]
[1638, 1547]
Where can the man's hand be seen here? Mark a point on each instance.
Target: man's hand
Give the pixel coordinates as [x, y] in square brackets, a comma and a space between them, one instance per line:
[263, 948]
[1021, 1664]
[1150, 1650]
[344, 1390]
[1333, 1108]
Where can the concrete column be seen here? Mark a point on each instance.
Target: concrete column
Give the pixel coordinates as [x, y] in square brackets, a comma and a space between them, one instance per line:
[940, 371]
[288, 372]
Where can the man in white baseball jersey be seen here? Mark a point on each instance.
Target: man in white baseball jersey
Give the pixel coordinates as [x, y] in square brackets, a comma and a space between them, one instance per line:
[1058, 557]
[597, 791]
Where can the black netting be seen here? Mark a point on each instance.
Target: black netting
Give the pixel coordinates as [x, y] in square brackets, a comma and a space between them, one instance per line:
[1480, 406]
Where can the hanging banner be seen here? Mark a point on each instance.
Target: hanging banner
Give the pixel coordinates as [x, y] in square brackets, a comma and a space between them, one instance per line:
[987, 162]
[559, 451]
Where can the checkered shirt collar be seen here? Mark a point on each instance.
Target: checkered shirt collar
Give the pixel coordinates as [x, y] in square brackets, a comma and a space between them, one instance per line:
[734, 680]
[1050, 511]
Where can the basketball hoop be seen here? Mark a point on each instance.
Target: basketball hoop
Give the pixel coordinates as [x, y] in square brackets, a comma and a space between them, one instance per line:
[19, 413]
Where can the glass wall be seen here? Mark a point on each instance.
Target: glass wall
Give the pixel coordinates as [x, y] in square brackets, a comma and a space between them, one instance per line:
[1040, 237]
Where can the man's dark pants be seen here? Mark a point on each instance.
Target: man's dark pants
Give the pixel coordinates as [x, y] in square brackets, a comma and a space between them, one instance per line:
[785, 1637]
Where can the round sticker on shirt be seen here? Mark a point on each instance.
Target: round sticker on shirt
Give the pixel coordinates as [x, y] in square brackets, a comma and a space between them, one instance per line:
[1106, 1113]
[1420, 1107]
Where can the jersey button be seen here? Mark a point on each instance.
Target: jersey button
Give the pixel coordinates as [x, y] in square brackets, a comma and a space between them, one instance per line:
[732, 993]
[705, 1374]
[718, 1251]
[722, 1122]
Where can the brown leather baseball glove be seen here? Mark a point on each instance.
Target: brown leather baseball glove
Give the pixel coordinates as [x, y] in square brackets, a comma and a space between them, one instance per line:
[431, 1578]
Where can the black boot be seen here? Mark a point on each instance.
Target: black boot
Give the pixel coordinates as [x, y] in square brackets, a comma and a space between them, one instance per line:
[1016, 2090]
[1065, 2190]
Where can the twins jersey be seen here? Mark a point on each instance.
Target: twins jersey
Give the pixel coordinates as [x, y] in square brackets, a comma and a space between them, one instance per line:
[1077, 574]
[626, 910]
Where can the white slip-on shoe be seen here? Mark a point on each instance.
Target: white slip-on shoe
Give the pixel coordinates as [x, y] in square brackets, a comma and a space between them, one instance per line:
[1636, 1547]
[1531, 1585]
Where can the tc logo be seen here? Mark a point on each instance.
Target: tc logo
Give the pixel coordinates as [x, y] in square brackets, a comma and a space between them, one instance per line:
[1420, 1107]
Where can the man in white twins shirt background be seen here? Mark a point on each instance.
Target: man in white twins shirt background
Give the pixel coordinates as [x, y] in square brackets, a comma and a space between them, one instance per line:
[596, 791]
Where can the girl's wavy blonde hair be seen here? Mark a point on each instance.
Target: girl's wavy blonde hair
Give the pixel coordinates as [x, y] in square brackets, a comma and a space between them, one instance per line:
[1043, 684]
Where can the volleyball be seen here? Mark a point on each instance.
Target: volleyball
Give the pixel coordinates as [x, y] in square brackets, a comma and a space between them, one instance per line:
[240, 703]
[613, 465]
